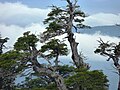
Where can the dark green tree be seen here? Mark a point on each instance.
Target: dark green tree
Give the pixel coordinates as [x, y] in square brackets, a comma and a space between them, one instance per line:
[27, 45]
[75, 79]
[54, 49]
[9, 68]
[15, 61]
[61, 21]
[87, 80]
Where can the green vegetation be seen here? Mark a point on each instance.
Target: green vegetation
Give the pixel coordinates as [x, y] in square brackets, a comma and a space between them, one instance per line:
[15, 61]
[51, 75]
[89, 80]
[85, 79]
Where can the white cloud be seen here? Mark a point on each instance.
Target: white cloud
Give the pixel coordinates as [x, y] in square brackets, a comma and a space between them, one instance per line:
[16, 18]
[102, 19]
[13, 16]
[14, 32]
[22, 15]
[88, 43]
[19, 14]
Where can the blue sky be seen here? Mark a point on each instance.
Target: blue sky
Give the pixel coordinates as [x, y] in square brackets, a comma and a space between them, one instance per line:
[89, 6]
[101, 12]
[18, 16]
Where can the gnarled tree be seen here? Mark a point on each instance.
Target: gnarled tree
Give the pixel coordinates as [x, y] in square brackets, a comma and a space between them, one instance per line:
[27, 45]
[61, 21]
[112, 51]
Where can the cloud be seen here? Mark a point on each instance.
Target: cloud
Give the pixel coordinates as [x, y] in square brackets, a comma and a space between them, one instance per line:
[102, 19]
[22, 15]
[17, 18]
[19, 14]
[88, 43]
[13, 32]
[13, 16]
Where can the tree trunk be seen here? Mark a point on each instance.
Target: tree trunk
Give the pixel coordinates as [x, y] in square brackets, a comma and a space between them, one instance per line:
[75, 56]
[119, 84]
[78, 61]
[1, 83]
[117, 65]
[56, 60]
[51, 73]
[119, 80]
[60, 82]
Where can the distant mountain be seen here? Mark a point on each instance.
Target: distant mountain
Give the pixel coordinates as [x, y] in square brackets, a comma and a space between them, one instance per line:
[104, 30]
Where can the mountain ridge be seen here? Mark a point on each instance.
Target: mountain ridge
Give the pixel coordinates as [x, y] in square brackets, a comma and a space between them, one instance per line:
[112, 30]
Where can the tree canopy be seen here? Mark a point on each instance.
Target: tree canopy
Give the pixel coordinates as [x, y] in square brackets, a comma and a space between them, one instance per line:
[51, 75]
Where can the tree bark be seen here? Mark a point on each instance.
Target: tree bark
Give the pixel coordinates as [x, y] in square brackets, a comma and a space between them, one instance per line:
[78, 61]
[56, 60]
[119, 81]
[75, 56]
[60, 82]
[50, 71]
[116, 64]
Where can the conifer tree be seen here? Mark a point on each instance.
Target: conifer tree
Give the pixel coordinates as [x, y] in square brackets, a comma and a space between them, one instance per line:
[62, 21]
[112, 51]
[27, 44]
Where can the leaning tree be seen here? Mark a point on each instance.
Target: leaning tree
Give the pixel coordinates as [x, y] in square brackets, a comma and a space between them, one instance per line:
[25, 55]
[112, 51]
[27, 44]
[62, 21]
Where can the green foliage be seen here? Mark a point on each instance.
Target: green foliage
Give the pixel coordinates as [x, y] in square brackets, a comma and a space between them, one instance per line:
[55, 11]
[51, 86]
[13, 61]
[33, 83]
[91, 80]
[32, 89]
[6, 64]
[8, 59]
[24, 43]
[53, 26]
[54, 47]
[59, 21]
[8, 69]
[66, 70]
[36, 84]
[59, 18]
[79, 13]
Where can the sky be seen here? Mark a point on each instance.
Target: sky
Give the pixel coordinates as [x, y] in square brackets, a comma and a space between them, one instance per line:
[18, 16]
